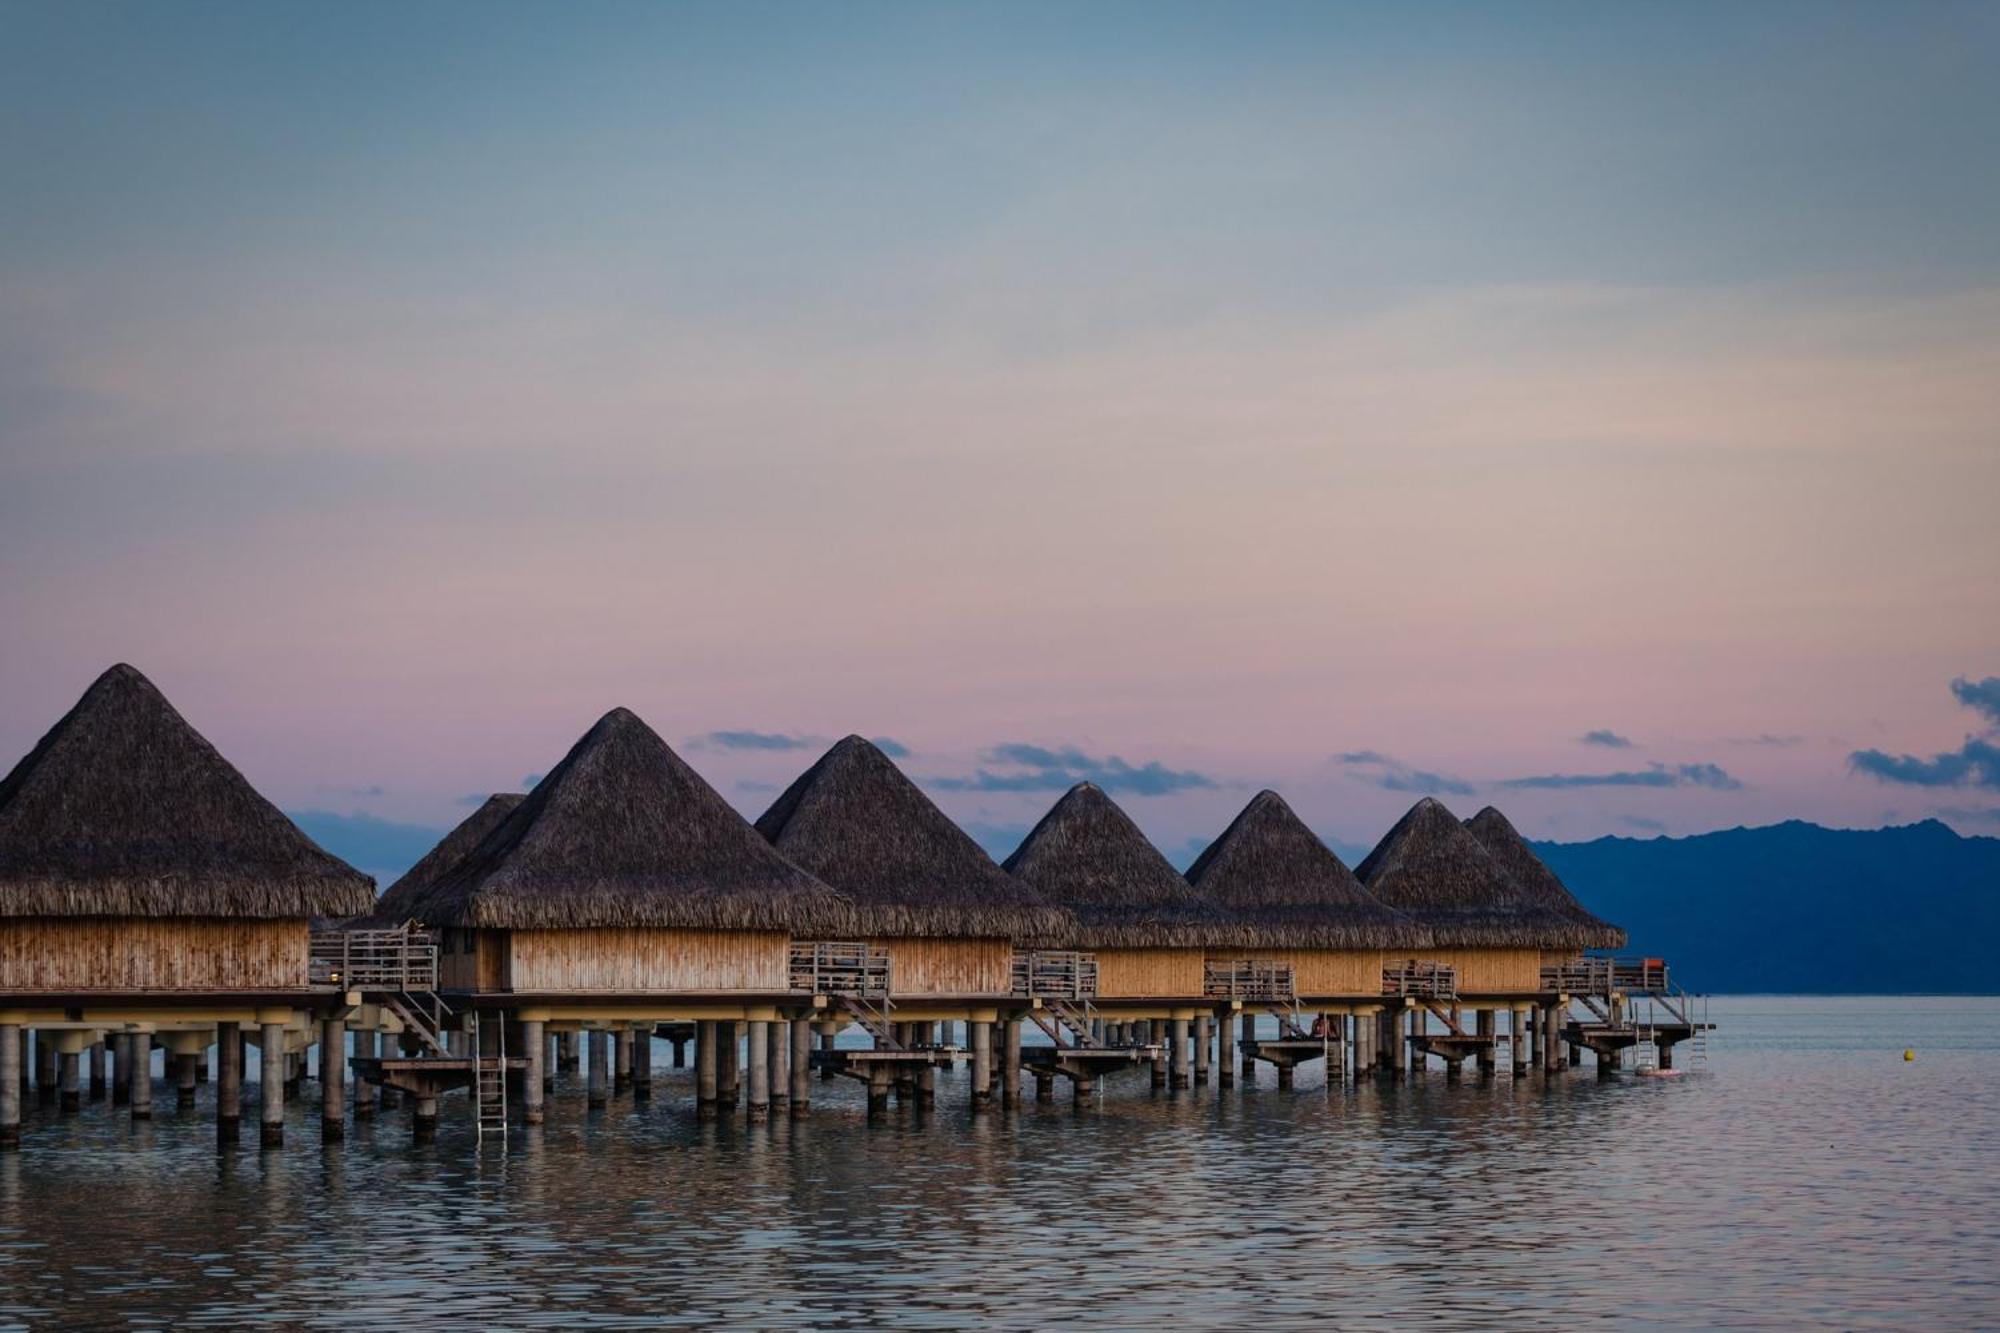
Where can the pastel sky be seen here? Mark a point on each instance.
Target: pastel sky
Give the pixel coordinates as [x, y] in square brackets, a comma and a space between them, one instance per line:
[1356, 400]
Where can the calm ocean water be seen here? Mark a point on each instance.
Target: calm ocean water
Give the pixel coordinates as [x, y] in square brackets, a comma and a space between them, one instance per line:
[1808, 1177]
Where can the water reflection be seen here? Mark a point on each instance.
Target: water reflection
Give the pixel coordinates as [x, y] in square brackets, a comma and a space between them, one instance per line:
[1809, 1177]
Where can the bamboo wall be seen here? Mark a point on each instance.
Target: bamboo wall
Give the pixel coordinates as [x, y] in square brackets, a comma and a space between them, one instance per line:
[1487, 971]
[645, 959]
[949, 966]
[1332, 971]
[1136, 973]
[151, 953]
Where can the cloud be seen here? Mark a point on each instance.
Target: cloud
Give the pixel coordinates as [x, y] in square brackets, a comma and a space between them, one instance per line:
[1974, 764]
[895, 749]
[1989, 814]
[365, 793]
[1044, 769]
[1644, 824]
[1766, 738]
[1394, 775]
[532, 781]
[1710, 776]
[754, 740]
[1982, 696]
[756, 785]
[1606, 737]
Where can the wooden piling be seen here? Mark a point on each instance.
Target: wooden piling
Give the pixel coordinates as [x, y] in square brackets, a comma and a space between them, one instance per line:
[829, 1040]
[568, 1057]
[1484, 1026]
[1225, 1048]
[67, 1066]
[10, 1087]
[1551, 1049]
[705, 1062]
[271, 1077]
[1177, 1034]
[97, 1083]
[1517, 1040]
[598, 1092]
[1010, 1064]
[45, 1067]
[781, 1065]
[801, 1040]
[642, 1063]
[332, 1080]
[1201, 1045]
[1156, 1034]
[142, 1076]
[878, 1090]
[121, 1069]
[228, 1085]
[1419, 1022]
[621, 1072]
[181, 1064]
[534, 1088]
[424, 1117]
[1045, 1086]
[759, 1059]
[982, 1066]
[728, 1065]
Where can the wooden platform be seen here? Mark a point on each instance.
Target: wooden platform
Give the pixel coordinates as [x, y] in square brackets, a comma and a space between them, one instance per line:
[424, 1075]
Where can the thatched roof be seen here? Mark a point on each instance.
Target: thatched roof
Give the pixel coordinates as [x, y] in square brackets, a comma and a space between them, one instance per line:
[1087, 855]
[1274, 873]
[854, 820]
[393, 908]
[623, 833]
[123, 809]
[1539, 884]
[1430, 866]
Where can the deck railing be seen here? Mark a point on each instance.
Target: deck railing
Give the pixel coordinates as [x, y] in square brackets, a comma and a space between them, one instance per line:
[1602, 976]
[839, 967]
[1249, 979]
[1055, 974]
[400, 959]
[1420, 978]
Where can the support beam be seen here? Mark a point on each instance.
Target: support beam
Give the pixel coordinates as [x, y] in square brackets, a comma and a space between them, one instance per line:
[1201, 1046]
[183, 1063]
[97, 1083]
[1225, 1048]
[621, 1073]
[332, 1080]
[121, 1069]
[228, 1085]
[1518, 1044]
[142, 1076]
[801, 1070]
[781, 1065]
[1010, 1064]
[271, 1077]
[599, 1090]
[534, 1087]
[1484, 1026]
[878, 1090]
[10, 1087]
[1156, 1034]
[642, 1063]
[45, 1067]
[759, 1060]
[982, 1066]
[1419, 1020]
[424, 1117]
[728, 1064]
[67, 1080]
[705, 1063]
[1177, 1059]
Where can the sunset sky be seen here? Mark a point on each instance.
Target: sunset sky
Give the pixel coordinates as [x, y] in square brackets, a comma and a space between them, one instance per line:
[1589, 410]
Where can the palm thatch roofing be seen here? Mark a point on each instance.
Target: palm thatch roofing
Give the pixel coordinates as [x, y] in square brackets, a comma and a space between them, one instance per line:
[124, 810]
[858, 823]
[623, 833]
[1087, 855]
[1274, 873]
[1430, 866]
[393, 908]
[1538, 883]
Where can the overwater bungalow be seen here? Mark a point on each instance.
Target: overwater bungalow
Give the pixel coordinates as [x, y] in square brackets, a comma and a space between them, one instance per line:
[147, 890]
[942, 915]
[1543, 889]
[395, 905]
[624, 891]
[1150, 931]
[1483, 923]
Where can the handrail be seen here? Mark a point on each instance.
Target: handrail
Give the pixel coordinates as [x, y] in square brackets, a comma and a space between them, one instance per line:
[1602, 976]
[839, 967]
[1249, 979]
[1054, 974]
[401, 958]
[1421, 978]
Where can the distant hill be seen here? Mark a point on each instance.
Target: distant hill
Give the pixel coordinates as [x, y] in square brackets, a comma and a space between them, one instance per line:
[1799, 908]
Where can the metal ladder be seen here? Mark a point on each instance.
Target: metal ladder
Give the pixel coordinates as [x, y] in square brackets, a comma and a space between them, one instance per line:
[489, 1080]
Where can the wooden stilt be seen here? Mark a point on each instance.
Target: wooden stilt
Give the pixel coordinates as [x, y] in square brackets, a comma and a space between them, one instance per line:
[68, 1065]
[534, 1087]
[10, 1087]
[228, 1085]
[759, 1060]
[1484, 1026]
[621, 1074]
[1010, 1064]
[332, 1080]
[121, 1069]
[181, 1064]
[1225, 1048]
[801, 1041]
[598, 1089]
[982, 1066]
[705, 1062]
[97, 1083]
[1045, 1086]
[1201, 1048]
[1177, 1037]
[878, 1090]
[271, 1077]
[424, 1117]
[1156, 1031]
[781, 1065]
[45, 1067]
[728, 1065]
[142, 1076]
